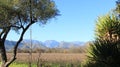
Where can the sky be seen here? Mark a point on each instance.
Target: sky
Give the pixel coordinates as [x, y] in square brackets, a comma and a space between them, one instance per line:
[76, 22]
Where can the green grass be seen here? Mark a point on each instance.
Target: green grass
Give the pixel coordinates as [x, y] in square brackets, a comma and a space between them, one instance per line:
[17, 64]
[21, 65]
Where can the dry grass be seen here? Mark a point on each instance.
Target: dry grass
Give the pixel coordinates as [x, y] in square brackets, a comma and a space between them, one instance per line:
[51, 57]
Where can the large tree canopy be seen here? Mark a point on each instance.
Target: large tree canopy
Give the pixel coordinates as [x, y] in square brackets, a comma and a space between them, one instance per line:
[23, 11]
[20, 15]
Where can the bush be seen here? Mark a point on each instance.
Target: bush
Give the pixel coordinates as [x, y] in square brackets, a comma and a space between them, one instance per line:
[104, 53]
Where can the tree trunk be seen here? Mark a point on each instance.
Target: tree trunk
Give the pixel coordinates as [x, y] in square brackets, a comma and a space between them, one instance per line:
[3, 54]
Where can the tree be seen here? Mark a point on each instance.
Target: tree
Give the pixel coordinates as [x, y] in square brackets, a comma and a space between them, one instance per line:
[19, 15]
[117, 10]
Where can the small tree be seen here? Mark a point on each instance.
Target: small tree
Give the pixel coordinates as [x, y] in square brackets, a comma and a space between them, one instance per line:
[19, 15]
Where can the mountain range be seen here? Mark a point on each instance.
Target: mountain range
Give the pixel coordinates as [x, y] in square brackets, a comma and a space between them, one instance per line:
[26, 44]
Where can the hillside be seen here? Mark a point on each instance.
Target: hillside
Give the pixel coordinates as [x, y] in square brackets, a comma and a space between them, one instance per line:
[25, 44]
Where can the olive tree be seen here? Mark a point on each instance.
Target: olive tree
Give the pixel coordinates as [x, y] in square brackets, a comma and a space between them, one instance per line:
[19, 15]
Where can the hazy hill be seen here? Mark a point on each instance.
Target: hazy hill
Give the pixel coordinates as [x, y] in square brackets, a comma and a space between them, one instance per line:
[67, 45]
[51, 43]
[25, 44]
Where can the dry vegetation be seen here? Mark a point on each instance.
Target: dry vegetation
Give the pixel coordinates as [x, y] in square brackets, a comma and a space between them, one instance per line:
[51, 57]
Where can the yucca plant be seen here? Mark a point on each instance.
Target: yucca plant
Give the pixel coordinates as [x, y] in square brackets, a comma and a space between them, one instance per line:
[108, 27]
[104, 53]
[105, 50]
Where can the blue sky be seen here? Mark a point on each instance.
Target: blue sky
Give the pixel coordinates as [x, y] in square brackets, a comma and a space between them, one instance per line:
[76, 22]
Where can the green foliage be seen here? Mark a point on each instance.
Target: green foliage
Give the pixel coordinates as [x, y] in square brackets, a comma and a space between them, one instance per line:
[17, 13]
[107, 27]
[6, 13]
[117, 10]
[105, 52]
[41, 10]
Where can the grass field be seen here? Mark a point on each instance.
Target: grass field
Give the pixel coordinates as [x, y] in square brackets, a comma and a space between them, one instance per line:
[45, 65]
[49, 59]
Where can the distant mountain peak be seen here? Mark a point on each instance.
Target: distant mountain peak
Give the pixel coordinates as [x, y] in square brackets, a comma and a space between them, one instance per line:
[25, 44]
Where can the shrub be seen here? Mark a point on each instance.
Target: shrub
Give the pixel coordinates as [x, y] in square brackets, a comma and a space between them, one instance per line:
[104, 53]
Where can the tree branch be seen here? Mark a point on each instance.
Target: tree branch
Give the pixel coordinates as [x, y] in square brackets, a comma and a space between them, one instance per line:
[1, 33]
[5, 34]
[17, 44]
